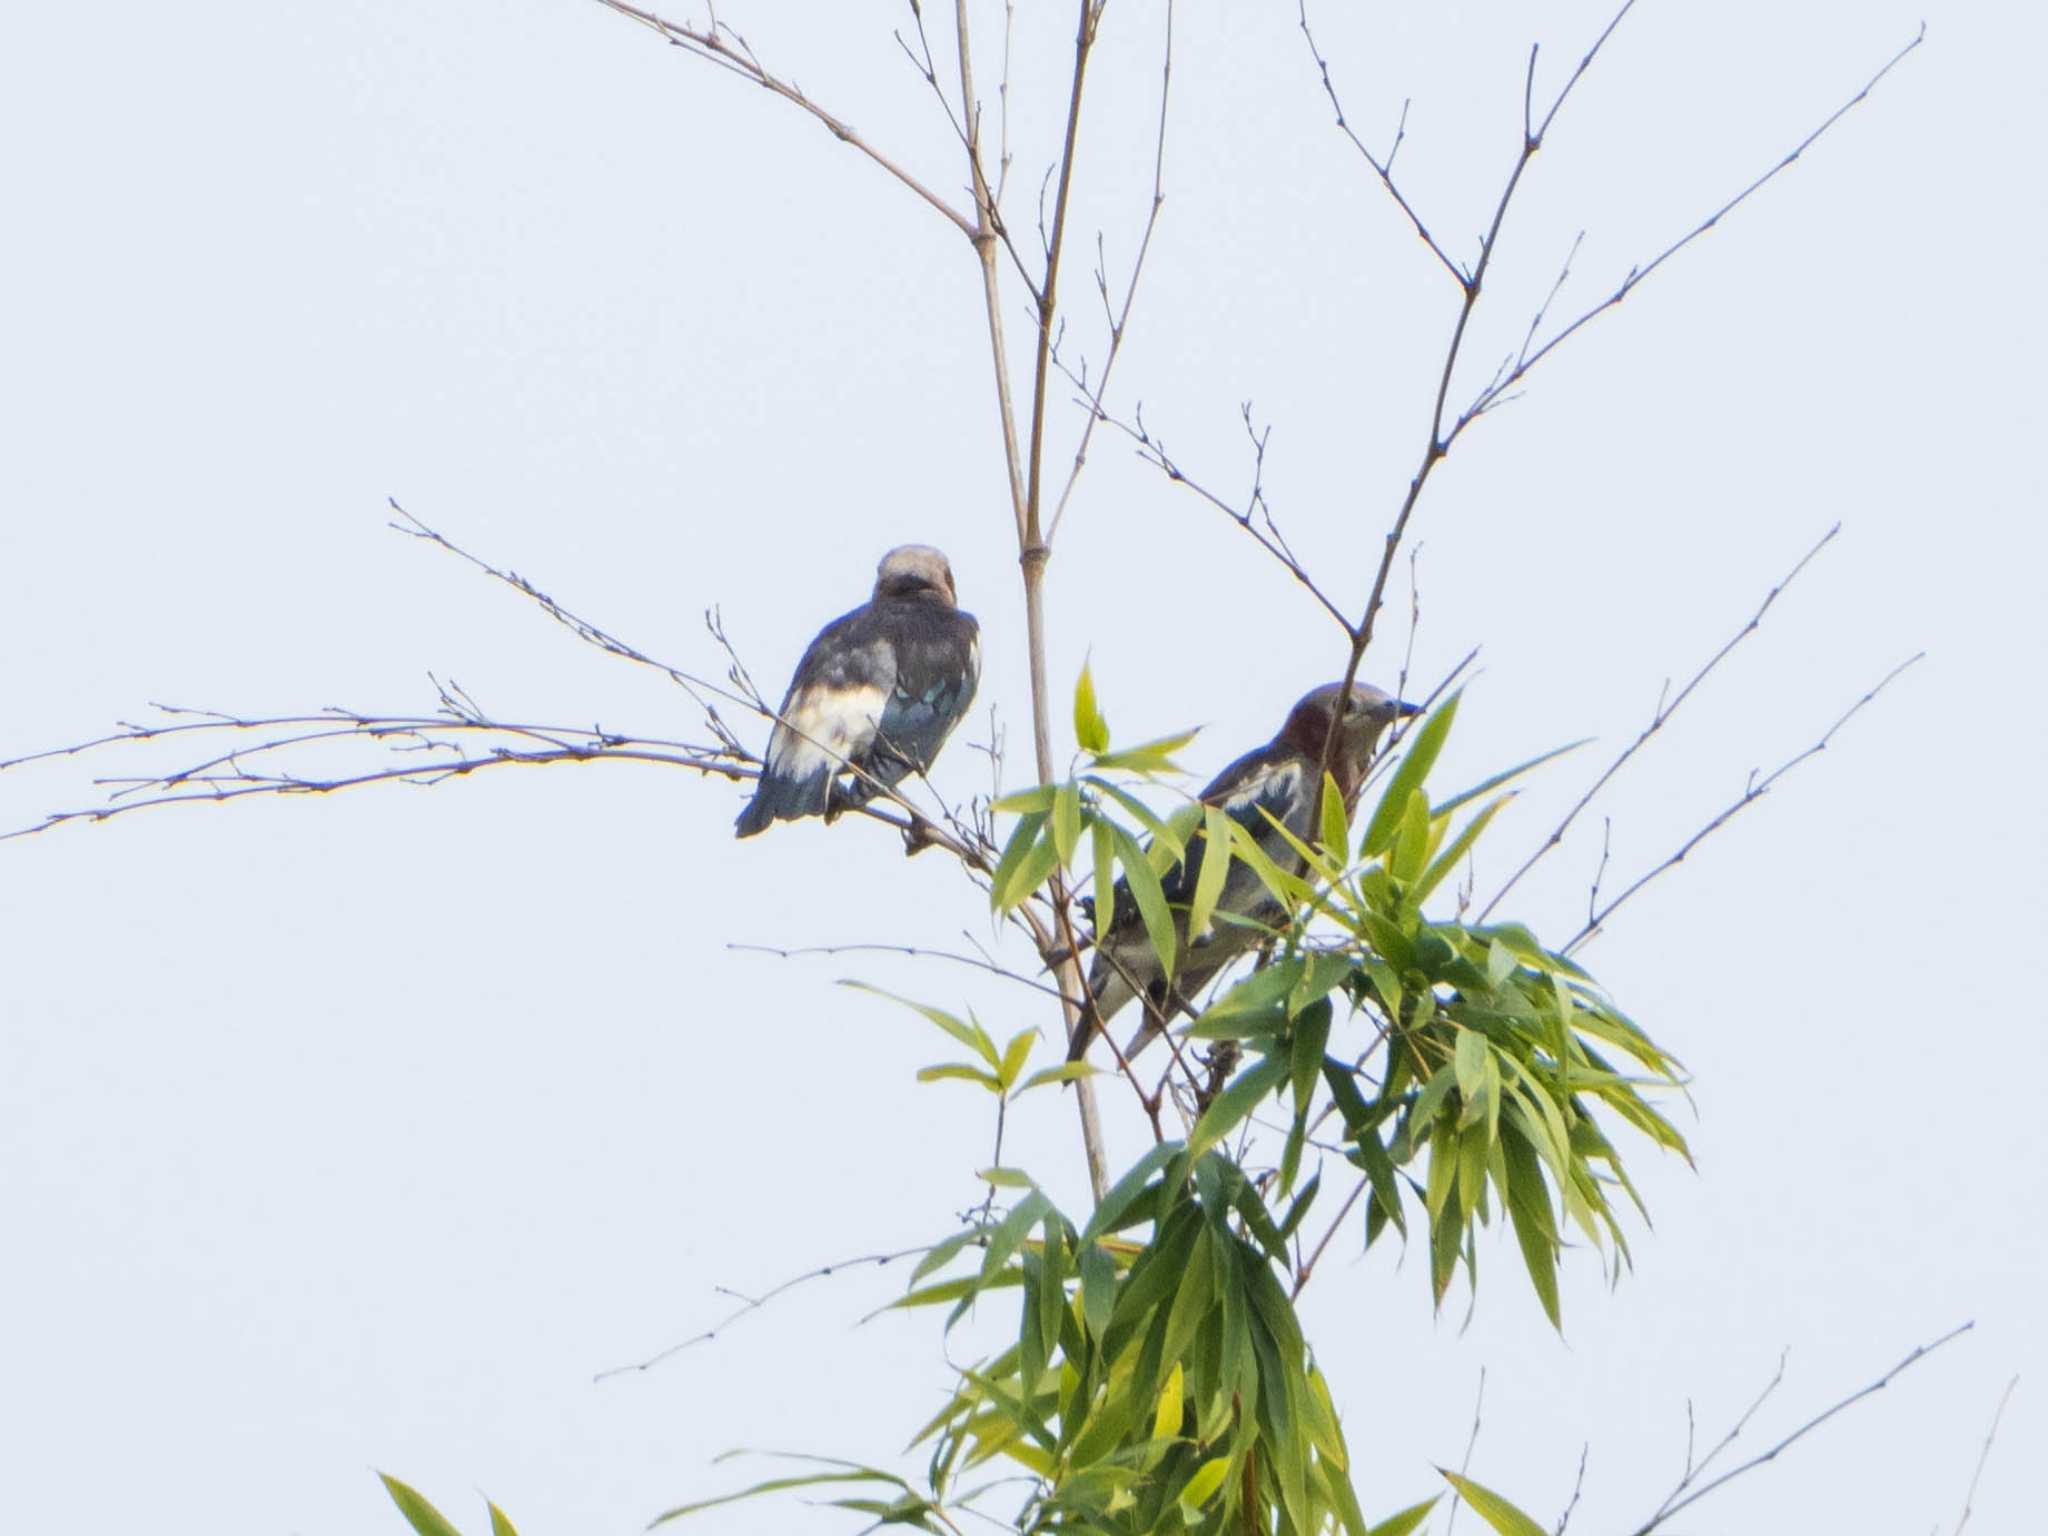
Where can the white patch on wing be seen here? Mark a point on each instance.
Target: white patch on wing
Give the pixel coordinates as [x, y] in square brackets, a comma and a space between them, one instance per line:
[823, 728]
[1283, 783]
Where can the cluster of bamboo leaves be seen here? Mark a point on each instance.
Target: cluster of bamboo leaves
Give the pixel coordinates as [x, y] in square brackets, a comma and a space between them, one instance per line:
[1160, 1381]
[1471, 1068]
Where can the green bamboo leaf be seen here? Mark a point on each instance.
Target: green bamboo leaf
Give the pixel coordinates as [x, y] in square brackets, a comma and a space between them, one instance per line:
[1201, 1488]
[1336, 824]
[1052, 1299]
[1423, 747]
[940, 1254]
[1066, 822]
[1289, 889]
[1151, 756]
[1006, 1178]
[1159, 831]
[1065, 1072]
[1235, 1102]
[973, 1036]
[1215, 867]
[1015, 1054]
[1145, 889]
[1298, 1209]
[1407, 1520]
[1465, 797]
[1023, 838]
[959, 1071]
[1326, 863]
[1127, 1189]
[501, 1525]
[1026, 875]
[1102, 845]
[1469, 1062]
[1004, 1238]
[1038, 798]
[1448, 860]
[1098, 1288]
[965, 1288]
[1410, 850]
[1492, 1508]
[1311, 1035]
[419, 1514]
[1528, 1203]
[853, 1474]
[1090, 729]
[1166, 1417]
[1336, 1485]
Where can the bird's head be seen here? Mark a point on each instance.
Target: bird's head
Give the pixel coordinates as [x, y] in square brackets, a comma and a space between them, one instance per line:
[1365, 713]
[915, 571]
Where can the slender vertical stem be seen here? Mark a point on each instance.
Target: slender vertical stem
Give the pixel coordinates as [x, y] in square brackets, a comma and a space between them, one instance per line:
[1024, 490]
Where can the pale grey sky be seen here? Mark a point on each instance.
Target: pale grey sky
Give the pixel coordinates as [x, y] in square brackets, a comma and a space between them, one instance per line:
[361, 1132]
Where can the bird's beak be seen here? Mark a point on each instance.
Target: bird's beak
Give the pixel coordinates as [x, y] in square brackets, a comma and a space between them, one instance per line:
[1402, 709]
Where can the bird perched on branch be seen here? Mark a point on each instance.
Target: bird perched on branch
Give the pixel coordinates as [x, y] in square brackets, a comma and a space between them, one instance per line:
[1281, 779]
[875, 696]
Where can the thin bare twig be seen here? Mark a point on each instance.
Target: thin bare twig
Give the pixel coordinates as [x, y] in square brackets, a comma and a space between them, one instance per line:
[753, 1304]
[1471, 1443]
[1119, 323]
[1970, 1498]
[1667, 706]
[1384, 169]
[1686, 1494]
[711, 44]
[1638, 274]
[1578, 1487]
[980, 963]
[1754, 791]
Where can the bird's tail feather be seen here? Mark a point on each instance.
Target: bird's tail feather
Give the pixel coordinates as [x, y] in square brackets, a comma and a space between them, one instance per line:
[784, 799]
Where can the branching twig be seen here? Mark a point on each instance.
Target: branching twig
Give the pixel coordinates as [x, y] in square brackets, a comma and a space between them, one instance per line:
[980, 963]
[1754, 791]
[1667, 706]
[711, 44]
[1471, 1443]
[1970, 1498]
[1119, 322]
[1686, 1494]
[754, 1304]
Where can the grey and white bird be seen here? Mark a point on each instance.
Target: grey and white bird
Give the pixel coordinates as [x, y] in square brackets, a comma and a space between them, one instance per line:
[879, 690]
[1281, 779]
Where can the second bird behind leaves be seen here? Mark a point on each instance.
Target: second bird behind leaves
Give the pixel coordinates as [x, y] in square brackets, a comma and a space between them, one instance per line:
[874, 698]
[1281, 779]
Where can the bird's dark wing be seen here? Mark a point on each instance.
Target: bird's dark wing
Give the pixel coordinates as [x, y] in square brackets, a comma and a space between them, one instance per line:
[937, 655]
[1267, 779]
[829, 717]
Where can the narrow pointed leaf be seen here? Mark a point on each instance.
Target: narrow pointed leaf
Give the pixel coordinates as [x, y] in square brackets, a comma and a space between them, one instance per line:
[1235, 1102]
[1486, 786]
[1215, 867]
[1065, 1072]
[1422, 750]
[1066, 822]
[1151, 756]
[1492, 1508]
[1407, 1520]
[1447, 861]
[1336, 825]
[973, 1036]
[1201, 1488]
[1151, 899]
[419, 1514]
[1090, 729]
